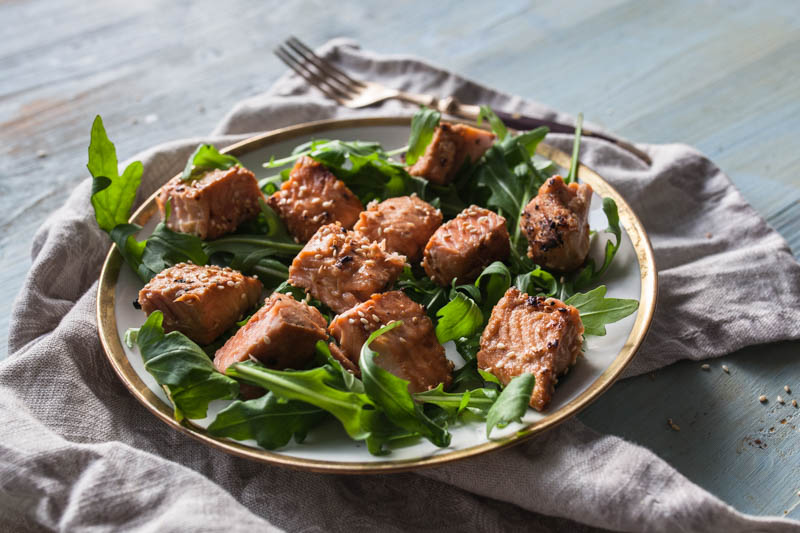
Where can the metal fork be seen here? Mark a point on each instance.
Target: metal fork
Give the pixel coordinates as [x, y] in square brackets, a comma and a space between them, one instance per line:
[350, 92]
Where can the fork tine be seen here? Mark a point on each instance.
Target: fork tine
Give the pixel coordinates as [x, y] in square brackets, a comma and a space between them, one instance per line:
[307, 75]
[329, 75]
[324, 62]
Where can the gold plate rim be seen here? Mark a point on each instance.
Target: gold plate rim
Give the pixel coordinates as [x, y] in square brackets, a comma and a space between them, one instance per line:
[112, 346]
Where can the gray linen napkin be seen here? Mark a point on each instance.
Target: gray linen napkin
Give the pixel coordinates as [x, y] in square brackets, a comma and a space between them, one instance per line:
[78, 452]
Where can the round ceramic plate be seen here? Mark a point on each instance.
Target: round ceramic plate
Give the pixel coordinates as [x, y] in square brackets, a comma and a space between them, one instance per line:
[328, 449]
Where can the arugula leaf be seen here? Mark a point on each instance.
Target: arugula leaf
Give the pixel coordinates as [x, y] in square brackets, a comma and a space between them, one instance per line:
[348, 380]
[391, 394]
[355, 411]
[112, 194]
[596, 310]
[537, 282]
[512, 404]
[423, 125]
[507, 170]
[590, 273]
[494, 281]
[165, 248]
[478, 400]
[461, 317]
[576, 148]
[206, 157]
[269, 420]
[132, 250]
[183, 368]
[422, 290]
[498, 128]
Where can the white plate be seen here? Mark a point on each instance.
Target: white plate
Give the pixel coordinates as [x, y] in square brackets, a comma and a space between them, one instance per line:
[632, 275]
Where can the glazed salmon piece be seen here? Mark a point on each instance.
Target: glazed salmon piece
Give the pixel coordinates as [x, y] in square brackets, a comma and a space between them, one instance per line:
[313, 197]
[409, 351]
[405, 222]
[450, 147]
[343, 268]
[462, 247]
[556, 223]
[212, 205]
[540, 336]
[281, 334]
[200, 301]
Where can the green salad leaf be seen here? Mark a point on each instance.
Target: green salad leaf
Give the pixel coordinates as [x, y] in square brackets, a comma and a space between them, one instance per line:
[493, 282]
[206, 157]
[423, 125]
[183, 368]
[596, 310]
[590, 273]
[460, 317]
[317, 386]
[576, 148]
[271, 421]
[165, 248]
[512, 404]
[537, 282]
[498, 128]
[112, 195]
[476, 400]
[391, 394]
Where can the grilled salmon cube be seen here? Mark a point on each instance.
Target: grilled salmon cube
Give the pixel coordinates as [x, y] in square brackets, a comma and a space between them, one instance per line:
[556, 223]
[212, 205]
[343, 268]
[462, 247]
[451, 146]
[409, 351]
[281, 334]
[530, 334]
[313, 197]
[200, 301]
[405, 222]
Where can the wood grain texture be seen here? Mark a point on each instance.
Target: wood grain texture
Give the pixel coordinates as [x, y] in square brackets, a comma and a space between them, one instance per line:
[722, 76]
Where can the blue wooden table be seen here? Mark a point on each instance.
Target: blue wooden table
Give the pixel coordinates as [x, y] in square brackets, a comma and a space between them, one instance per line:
[723, 76]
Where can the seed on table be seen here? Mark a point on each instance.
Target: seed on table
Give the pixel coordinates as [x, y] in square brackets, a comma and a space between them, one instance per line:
[780, 400]
[762, 399]
[706, 367]
[726, 369]
[794, 403]
[787, 389]
[673, 425]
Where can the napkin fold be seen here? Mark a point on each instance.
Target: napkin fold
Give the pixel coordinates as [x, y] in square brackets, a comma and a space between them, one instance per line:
[79, 452]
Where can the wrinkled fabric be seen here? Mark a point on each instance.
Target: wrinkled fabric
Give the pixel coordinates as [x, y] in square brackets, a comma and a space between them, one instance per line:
[78, 452]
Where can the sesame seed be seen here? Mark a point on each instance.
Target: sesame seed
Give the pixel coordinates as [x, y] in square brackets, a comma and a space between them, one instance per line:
[317, 256]
[673, 425]
[415, 320]
[375, 318]
[267, 340]
[726, 369]
[501, 346]
[779, 399]
[706, 367]
[762, 399]
[230, 283]
[364, 320]
[351, 320]
[327, 203]
[308, 297]
[244, 296]
[787, 389]
[361, 314]
[220, 286]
